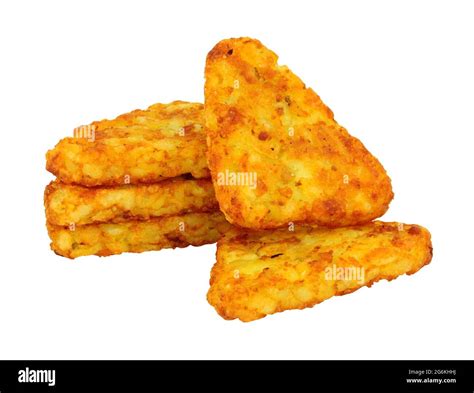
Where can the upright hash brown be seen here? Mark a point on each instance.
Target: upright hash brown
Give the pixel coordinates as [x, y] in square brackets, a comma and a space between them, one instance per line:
[261, 120]
[143, 146]
[194, 229]
[70, 204]
[263, 272]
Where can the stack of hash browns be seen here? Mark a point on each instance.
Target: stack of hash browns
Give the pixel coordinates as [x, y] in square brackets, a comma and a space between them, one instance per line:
[137, 183]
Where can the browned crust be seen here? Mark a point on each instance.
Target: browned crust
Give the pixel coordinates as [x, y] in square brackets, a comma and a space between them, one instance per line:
[319, 174]
[70, 204]
[280, 270]
[140, 147]
[138, 236]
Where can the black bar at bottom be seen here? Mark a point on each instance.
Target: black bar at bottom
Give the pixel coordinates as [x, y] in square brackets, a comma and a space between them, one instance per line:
[237, 376]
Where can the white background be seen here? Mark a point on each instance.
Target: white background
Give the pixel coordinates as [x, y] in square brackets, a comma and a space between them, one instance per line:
[399, 76]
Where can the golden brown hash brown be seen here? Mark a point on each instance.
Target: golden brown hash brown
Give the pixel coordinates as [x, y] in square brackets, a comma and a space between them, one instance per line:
[261, 119]
[261, 273]
[66, 204]
[143, 146]
[137, 236]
